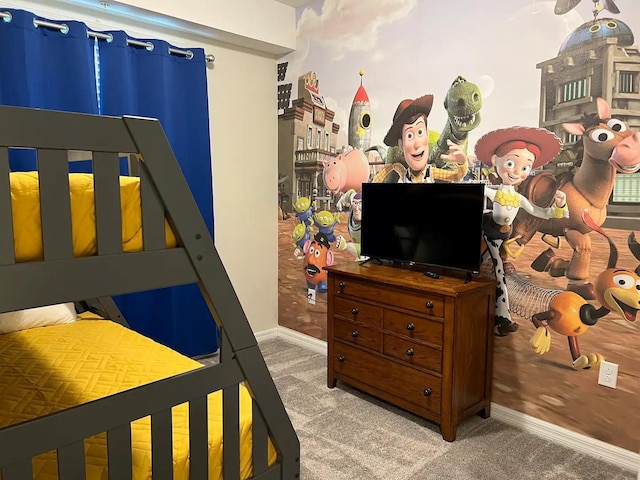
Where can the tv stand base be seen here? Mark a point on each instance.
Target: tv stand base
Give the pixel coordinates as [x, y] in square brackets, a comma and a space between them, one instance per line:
[409, 340]
[371, 259]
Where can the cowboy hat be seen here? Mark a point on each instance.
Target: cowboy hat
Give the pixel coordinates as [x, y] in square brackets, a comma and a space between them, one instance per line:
[548, 143]
[406, 109]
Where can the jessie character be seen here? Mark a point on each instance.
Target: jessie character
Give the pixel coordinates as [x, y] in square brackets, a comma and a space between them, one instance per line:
[409, 132]
[317, 256]
[513, 152]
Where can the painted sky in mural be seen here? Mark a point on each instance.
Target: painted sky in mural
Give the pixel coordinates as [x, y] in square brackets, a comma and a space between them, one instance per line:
[408, 48]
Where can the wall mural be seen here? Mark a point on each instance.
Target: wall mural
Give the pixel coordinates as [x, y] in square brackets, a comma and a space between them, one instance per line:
[540, 100]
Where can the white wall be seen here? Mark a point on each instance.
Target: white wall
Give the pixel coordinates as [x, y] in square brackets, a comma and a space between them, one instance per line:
[263, 24]
[245, 166]
[243, 121]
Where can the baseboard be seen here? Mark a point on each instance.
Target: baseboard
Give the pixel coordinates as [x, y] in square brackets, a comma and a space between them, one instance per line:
[576, 441]
[306, 341]
[549, 431]
[294, 337]
[267, 334]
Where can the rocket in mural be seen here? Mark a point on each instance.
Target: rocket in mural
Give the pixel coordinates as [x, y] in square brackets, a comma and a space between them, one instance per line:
[359, 135]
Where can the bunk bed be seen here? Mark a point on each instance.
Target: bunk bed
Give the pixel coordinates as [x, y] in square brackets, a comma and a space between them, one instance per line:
[86, 396]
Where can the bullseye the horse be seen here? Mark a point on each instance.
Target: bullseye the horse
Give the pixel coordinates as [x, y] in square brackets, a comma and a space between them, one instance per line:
[610, 147]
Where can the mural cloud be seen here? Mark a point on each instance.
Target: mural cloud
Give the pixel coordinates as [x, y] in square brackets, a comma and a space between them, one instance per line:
[344, 25]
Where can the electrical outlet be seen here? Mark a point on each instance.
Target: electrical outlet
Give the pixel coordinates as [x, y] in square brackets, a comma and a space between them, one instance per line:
[311, 296]
[608, 375]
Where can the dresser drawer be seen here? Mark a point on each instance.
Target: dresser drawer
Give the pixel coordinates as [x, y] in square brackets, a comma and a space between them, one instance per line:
[404, 382]
[427, 303]
[412, 352]
[357, 311]
[413, 327]
[357, 334]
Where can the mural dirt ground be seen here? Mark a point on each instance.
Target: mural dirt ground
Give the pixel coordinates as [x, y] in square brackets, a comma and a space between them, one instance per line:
[545, 387]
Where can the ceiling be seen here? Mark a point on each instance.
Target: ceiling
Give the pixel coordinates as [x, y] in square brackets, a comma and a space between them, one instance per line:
[295, 3]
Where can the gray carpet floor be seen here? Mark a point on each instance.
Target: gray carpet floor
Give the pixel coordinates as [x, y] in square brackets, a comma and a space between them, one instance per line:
[348, 435]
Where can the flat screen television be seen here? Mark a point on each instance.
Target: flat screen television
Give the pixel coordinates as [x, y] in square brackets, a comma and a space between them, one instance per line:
[431, 224]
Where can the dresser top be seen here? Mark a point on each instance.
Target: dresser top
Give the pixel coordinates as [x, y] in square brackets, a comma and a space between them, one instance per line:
[411, 278]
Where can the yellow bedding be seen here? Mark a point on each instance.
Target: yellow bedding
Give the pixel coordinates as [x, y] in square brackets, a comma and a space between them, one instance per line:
[27, 229]
[48, 369]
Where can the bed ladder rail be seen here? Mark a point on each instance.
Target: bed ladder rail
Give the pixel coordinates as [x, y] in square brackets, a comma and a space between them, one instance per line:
[32, 284]
[216, 287]
[76, 131]
[65, 431]
[260, 431]
[104, 307]
[196, 261]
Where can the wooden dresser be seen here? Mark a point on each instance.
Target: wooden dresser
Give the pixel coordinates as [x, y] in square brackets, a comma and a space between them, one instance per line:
[422, 344]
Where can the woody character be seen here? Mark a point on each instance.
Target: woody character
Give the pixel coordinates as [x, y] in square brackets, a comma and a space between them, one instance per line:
[409, 132]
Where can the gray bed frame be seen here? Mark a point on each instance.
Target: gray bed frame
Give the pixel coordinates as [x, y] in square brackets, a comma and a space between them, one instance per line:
[60, 277]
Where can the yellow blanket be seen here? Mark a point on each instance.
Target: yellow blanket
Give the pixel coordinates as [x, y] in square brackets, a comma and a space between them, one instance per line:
[27, 227]
[48, 369]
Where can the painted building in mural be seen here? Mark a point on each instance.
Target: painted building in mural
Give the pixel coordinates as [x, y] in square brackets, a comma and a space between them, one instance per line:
[307, 139]
[598, 59]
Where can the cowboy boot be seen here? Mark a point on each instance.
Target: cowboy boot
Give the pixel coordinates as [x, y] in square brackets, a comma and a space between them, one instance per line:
[504, 326]
[543, 261]
[558, 267]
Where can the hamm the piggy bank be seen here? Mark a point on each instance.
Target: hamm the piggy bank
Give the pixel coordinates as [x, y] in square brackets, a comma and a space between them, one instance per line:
[347, 171]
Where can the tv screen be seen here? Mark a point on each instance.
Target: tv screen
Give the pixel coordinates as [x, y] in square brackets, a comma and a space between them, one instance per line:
[438, 224]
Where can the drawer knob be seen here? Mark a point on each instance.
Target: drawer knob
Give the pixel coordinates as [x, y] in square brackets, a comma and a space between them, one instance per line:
[354, 334]
[341, 359]
[409, 351]
[427, 392]
[411, 327]
[354, 310]
[429, 304]
[341, 286]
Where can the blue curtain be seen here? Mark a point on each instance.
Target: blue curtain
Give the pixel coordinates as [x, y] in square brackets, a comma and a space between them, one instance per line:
[43, 67]
[50, 68]
[152, 82]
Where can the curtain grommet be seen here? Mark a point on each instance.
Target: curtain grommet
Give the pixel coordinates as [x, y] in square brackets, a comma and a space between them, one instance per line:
[61, 27]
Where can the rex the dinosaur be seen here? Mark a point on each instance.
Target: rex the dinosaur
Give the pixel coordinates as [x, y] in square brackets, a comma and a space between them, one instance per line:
[462, 103]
